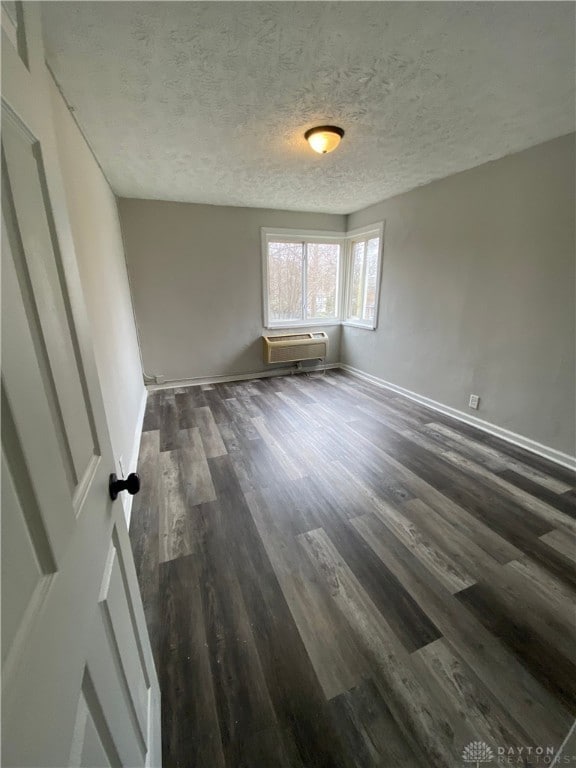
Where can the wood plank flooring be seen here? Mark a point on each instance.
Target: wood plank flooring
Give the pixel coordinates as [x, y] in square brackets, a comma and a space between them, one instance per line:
[334, 576]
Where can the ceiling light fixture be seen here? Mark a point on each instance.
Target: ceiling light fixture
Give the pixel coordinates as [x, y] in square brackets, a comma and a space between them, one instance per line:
[324, 139]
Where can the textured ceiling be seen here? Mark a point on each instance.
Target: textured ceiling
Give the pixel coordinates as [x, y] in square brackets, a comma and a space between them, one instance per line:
[208, 102]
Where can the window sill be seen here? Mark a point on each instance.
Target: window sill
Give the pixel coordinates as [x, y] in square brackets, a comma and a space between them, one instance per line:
[358, 325]
[298, 325]
[319, 323]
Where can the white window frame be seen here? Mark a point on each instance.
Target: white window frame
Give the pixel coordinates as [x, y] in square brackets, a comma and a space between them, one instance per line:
[302, 236]
[346, 242]
[363, 233]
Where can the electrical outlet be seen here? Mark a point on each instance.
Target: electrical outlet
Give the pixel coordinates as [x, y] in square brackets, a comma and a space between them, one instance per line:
[474, 402]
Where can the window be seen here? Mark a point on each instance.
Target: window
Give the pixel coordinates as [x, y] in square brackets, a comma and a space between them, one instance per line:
[363, 280]
[311, 278]
[302, 276]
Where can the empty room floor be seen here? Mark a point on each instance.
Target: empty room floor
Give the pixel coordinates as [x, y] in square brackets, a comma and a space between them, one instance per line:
[334, 575]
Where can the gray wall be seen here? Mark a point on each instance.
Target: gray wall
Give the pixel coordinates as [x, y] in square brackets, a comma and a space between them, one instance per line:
[478, 293]
[196, 278]
[99, 250]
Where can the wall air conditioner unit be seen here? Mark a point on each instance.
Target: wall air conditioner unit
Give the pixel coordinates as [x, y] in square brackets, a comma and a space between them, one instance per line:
[294, 347]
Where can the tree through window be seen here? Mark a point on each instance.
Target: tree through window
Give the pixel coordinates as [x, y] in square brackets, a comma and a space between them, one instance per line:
[303, 280]
[363, 281]
[310, 278]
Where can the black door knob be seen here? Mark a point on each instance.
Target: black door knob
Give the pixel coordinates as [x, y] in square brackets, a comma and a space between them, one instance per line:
[130, 484]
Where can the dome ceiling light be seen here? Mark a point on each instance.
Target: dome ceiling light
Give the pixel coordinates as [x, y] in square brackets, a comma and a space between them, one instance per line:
[324, 138]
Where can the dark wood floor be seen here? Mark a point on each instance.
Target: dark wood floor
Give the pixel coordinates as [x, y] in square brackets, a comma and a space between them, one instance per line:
[334, 575]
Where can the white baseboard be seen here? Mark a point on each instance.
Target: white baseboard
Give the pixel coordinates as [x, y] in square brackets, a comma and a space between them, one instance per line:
[238, 377]
[133, 463]
[564, 459]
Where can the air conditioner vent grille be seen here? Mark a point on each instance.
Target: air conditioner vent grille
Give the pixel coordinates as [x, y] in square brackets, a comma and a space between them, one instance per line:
[293, 337]
[290, 348]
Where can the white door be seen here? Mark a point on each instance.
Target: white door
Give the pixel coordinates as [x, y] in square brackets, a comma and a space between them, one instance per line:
[79, 685]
